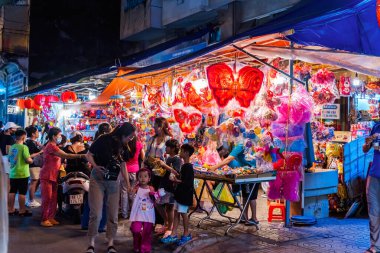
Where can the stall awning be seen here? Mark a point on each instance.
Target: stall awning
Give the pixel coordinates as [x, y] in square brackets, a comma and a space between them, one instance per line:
[365, 64]
[354, 29]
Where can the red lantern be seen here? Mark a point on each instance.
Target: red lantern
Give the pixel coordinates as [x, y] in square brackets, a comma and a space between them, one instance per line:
[69, 97]
[21, 104]
[39, 100]
[29, 103]
[37, 107]
[52, 99]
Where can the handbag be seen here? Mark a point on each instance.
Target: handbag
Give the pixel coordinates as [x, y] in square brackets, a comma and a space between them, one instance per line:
[38, 161]
[112, 170]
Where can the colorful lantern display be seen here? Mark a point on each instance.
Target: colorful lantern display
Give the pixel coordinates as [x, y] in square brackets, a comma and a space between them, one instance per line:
[21, 104]
[69, 97]
[39, 100]
[29, 103]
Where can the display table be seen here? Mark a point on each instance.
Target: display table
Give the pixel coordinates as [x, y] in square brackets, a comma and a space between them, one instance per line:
[228, 181]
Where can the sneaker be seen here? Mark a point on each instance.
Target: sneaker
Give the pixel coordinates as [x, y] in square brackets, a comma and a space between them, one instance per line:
[169, 240]
[54, 222]
[184, 240]
[46, 224]
[33, 204]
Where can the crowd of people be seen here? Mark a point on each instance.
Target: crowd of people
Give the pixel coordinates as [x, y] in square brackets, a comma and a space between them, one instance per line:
[122, 182]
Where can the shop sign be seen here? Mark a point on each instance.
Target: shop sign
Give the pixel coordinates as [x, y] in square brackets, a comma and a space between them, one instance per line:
[331, 111]
[12, 109]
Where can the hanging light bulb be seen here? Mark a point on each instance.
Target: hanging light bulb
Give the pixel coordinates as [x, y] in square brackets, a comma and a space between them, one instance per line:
[356, 82]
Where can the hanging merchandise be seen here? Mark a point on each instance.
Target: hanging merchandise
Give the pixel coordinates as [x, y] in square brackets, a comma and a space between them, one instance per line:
[21, 103]
[52, 99]
[69, 97]
[188, 119]
[39, 100]
[345, 86]
[227, 84]
[29, 103]
[324, 90]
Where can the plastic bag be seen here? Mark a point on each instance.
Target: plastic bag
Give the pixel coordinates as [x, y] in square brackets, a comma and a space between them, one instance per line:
[225, 196]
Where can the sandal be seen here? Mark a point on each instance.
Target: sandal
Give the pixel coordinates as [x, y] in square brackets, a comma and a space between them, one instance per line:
[90, 249]
[14, 213]
[25, 214]
[111, 249]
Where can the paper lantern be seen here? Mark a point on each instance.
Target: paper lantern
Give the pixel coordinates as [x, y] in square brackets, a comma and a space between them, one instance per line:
[39, 100]
[52, 99]
[29, 103]
[21, 103]
[69, 97]
[37, 107]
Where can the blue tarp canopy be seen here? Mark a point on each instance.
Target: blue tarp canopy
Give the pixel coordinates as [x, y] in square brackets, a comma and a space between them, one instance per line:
[353, 29]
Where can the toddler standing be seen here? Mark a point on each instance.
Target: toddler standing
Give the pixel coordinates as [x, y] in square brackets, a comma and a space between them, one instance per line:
[142, 213]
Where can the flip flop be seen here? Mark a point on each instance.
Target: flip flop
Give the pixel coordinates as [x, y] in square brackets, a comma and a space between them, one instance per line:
[111, 249]
[90, 249]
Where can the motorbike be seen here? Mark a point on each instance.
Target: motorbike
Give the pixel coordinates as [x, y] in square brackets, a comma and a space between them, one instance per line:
[75, 186]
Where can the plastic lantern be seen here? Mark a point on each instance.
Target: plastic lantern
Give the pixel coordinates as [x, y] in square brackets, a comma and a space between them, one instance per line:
[21, 104]
[39, 100]
[37, 107]
[52, 99]
[69, 97]
[29, 103]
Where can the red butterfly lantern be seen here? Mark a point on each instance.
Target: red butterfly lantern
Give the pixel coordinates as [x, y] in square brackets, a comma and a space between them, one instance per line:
[69, 97]
[21, 104]
[29, 103]
[39, 100]
[187, 121]
[226, 85]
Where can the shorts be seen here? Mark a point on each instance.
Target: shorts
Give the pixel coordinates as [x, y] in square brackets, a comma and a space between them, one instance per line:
[245, 189]
[168, 198]
[19, 185]
[181, 208]
[6, 164]
[35, 173]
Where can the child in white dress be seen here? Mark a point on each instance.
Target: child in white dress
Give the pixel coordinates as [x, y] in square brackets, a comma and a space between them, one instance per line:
[142, 213]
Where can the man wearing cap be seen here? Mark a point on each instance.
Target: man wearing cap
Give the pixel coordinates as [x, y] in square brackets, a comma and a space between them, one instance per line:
[6, 139]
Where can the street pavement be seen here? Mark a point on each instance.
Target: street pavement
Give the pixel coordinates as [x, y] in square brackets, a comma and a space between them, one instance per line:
[328, 235]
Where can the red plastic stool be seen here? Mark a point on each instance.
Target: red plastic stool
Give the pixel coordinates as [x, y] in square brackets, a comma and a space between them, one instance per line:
[273, 206]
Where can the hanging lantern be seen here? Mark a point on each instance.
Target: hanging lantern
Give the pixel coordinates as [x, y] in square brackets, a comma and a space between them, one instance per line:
[69, 97]
[21, 103]
[37, 107]
[52, 99]
[39, 100]
[29, 103]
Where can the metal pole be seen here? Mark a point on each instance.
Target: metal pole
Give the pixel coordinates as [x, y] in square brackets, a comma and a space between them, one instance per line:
[291, 74]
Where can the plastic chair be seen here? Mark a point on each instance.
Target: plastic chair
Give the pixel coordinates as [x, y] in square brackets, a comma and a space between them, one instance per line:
[273, 206]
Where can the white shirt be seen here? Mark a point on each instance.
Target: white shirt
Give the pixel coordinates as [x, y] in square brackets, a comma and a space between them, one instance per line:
[143, 207]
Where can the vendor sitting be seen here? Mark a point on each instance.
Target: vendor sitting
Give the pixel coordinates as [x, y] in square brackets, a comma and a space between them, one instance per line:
[235, 159]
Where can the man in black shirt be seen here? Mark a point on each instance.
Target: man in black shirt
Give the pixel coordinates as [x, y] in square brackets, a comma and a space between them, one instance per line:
[6, 139]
